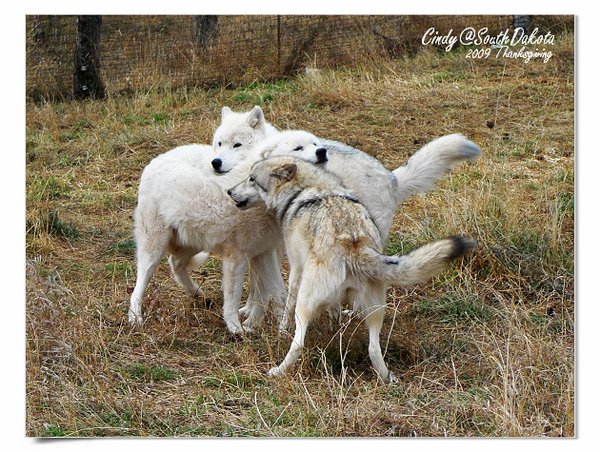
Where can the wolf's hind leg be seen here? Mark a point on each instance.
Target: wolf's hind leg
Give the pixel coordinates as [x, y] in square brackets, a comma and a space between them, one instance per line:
[180, 261]
[150, 250]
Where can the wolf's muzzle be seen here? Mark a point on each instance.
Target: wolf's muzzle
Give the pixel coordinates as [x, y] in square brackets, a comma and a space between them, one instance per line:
[321, 154]
[216, 164]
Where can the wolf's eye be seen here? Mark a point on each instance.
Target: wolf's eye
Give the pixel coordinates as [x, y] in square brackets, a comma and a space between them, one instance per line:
[219, 143]
[251, 178]
[315, 144]
[299, 148]
[237, 145]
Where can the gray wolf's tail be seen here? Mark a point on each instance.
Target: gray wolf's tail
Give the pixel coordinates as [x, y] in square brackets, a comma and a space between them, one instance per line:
[418, 266]
[431, 162]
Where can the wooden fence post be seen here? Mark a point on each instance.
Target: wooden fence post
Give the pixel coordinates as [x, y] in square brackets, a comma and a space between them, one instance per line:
[205, 30]
[87, 82]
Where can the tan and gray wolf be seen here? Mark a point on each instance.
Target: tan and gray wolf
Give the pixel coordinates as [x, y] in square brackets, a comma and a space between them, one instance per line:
[334, 249]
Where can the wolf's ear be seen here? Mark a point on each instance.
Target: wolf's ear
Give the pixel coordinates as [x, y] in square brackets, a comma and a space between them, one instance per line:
[285, 172]
[225, 111]
[256, 117]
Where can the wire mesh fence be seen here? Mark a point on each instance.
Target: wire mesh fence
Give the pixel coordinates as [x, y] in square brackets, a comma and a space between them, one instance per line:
[138, 52]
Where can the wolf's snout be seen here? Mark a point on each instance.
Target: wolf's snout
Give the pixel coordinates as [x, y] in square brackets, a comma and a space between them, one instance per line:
[229, 191]
[321, 155]
[216, 163]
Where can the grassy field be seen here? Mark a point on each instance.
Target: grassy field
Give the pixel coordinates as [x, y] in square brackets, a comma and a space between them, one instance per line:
[487, 349]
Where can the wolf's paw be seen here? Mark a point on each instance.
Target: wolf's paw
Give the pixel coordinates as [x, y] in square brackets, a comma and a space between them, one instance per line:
[250, 324]
[275, 372]
[245, 310]
[393, 379]
[239, 330]
[135, 319]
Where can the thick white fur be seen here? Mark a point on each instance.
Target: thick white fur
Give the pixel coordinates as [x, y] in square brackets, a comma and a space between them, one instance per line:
[183, 209]
[244, 130]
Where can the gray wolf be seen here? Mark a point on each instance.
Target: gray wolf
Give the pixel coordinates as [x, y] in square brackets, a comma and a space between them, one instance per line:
[183, 210]
[334, 249]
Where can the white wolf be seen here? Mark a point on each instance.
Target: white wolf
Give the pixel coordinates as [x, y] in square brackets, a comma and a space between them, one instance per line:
[334, 249]
[183, 210]
[381, 191]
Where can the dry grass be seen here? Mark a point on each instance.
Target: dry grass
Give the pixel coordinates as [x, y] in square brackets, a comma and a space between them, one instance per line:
[484, 350]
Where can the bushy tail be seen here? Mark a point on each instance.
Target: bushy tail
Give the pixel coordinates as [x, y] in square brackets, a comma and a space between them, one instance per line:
[418, 266]
[431, 162]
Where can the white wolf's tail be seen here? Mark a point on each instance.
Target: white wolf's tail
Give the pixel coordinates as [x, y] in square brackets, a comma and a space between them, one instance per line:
[431, 162]
[418, 266]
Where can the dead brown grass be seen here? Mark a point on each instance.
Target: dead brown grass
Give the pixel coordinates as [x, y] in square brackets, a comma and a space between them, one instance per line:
[485, 350]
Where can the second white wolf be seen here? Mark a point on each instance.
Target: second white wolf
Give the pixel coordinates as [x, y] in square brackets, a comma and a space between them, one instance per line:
[334, 249]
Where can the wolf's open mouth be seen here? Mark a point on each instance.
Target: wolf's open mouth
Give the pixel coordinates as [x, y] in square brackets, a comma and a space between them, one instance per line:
[241, 204]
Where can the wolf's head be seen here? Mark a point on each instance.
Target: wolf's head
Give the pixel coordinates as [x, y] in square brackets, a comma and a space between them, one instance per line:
[295, 143]
[264, 182]
[277, 181]
[237, 136]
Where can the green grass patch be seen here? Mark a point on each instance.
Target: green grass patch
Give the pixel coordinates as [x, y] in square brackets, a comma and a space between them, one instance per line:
[142, 372]
[233, 379]
[124, 248]
[52, 431]
[59, 228]
[68, 161]
[51, 224]
[45, 189]
[160, 118]
[453, 308]
[116, 419]
[257, 93]
[399, 244]
[122, 269]
[136, 120]
[565, 203]
[449, 75]
[525, 150]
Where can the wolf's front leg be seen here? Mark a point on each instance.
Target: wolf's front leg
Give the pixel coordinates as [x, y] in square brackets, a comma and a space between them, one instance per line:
[290, 302]
[266, 285]
[234, 269]
[304, 314]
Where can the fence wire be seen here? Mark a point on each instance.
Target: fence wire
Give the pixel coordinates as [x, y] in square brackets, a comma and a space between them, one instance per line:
[138, 52]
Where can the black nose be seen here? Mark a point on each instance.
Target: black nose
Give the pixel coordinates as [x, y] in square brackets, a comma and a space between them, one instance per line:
[216, 163]
[229, 192]
[321, 155]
